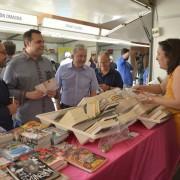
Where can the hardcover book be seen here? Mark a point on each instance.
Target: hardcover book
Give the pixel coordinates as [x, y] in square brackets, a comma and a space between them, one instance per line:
[31, 168]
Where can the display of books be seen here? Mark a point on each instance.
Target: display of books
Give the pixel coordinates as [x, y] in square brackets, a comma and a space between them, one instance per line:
[14, 149]
[55, 116]
[49, 85]
[29, 125]
[30, 167]
[52, 157]
[35, 138]
[90, 125]
[57, 135]
[82, 158]
[155, 115]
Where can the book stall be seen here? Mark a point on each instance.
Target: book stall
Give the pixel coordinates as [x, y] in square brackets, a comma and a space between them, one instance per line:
[46, 149]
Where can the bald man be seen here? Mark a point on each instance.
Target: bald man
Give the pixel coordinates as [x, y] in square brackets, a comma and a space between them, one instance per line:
[107, 77]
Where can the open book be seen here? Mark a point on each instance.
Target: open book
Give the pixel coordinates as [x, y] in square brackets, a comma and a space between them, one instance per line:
[156, 115]
[49, 85]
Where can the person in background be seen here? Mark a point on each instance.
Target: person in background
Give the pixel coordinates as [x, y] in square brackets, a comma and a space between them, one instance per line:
[125, 68]
[107, 78]
[168, 56]
[7, 108]
[76, 80]
[24, 72]
[113, 65]
[67, 59]
[55, 65]
[93, 61]
[140, 66]
[146, 69]
[10, 50]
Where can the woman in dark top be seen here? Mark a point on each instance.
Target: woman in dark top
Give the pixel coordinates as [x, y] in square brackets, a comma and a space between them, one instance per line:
[6, 107]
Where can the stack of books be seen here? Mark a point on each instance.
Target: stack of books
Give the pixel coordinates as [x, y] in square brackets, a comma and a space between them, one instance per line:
[36, 138]
[29, 125]
[57, 135]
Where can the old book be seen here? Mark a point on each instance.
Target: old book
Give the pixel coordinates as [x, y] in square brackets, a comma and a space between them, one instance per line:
[35, 138]
[57, 135]
[73, 117]
[14, 149]
[157, 114]
[49, 85]
[84, 159]
[33, 124]
[92, 109]
[30, 167]
[51, 156]
[27, 126]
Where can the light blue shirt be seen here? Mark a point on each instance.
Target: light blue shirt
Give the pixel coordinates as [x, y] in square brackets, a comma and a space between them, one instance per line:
[125, 69]
[74, 83]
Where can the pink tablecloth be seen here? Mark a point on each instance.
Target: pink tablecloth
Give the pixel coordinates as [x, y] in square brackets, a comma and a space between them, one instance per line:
[153, 155]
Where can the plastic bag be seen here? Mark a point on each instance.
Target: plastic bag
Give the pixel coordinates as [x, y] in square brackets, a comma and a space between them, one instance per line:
[106, 143]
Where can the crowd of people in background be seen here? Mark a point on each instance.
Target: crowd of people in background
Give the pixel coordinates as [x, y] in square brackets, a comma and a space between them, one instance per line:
[76, 80]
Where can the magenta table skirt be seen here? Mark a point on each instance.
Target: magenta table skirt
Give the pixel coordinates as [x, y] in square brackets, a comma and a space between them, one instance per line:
[153, 155]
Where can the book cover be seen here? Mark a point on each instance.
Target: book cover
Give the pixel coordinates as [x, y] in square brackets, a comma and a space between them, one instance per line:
[31, 168]
[35, 138]
[51, 156]
[49, 85]
[14, 149]
[82, 158]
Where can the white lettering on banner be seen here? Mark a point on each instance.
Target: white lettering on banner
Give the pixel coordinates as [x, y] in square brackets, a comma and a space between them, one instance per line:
[69, 26]
[14, 17]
